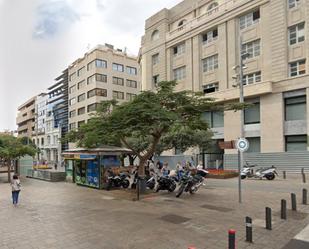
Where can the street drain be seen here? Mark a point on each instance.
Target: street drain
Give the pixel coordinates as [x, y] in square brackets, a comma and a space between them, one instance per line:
[175, 219]
[216, 208]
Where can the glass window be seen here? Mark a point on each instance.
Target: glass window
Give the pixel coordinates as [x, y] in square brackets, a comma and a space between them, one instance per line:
[250, 49]
[72, 113]
[97, 63]
[293, 3]
[132, 83]
[252, 114]
[155, 80]
[80, 123]
[214, 118]
[97, 92]
[179, 49]
[81, 71]
[210, 63]
[296, 143]
[297, 68]
[118, 81]
[180, 73]
[72, 101]
[130, 96]
[297, 33]
[81, 111]
[210, 36]
[81, 84]
[72, 126]
[155, 35]
[251, 78]
[97, 77]
[92, 107]
[81, 97]
[118, 67]
[210, 88]
[72, 76]
[155, 59]
[249, 19]
[131, 70]
[254, 144]
[72, 89]
[118, 95]
[295, 108]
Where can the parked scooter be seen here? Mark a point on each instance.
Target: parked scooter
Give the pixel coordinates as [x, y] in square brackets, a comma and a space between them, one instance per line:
[165, 183]
[117, 181]
[248, 171]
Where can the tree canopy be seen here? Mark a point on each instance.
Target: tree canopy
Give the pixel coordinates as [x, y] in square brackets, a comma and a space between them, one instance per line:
[151, 123]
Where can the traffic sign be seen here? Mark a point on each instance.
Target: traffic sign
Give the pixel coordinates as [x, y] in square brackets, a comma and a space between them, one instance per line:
[242, 144]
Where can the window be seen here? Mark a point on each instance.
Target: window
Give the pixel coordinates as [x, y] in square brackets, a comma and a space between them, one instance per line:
[296, 143]
[130, 96]
[118, 67]
[181, 23]
[210, 36]
[252, 114]
[254, 144]
[97, 92]
[92, 107]
[131, 70]
[179, 49]
[81, 97]
[295, 108]
[97, 77]
[297, 68]
[72, 126]
[210, 88]
[155, 59]
[155, 35]
[251, 78]
[214, 119]
[210, 63]
[80, 123]
[72, 114]
[293, 3]
[155, 79]
[81, 71]
[81, 84]
[118, 81]
[72, 89]
[297, 33]
[72, 101]
[213, 7]
[132, 83]
[249, 19]
[72, 76]
[118, 95]
[97, 63]
[250, 49]
[81, 111]
[180, 73]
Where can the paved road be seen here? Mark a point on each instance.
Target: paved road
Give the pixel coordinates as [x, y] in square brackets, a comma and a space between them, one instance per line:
[63, 215]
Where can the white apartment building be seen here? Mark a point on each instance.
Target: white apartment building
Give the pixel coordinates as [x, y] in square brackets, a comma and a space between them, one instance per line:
[197, 43]
[103, 73]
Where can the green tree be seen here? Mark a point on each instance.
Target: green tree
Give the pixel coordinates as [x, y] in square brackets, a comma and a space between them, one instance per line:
[12, 148]
[151, 123]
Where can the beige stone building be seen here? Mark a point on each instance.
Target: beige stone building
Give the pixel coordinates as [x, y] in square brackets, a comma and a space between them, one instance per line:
[26, 118]
[103, 73]
[197, 43]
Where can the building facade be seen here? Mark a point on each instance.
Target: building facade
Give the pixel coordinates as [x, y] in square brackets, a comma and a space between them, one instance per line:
[198, 43]
[26, 118]
[103, 73]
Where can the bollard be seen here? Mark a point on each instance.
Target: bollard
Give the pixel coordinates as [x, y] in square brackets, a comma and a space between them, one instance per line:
[305, 195]
[232, 239]
[284, 174]
[283, 209]
[248, 229]
[268, 218]
[304, 177]
[137, 188]
[293, 201]
[302, 170]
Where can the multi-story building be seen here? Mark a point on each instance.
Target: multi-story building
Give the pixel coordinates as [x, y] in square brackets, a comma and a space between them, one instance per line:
[26, 118]
[103, 73]
[198, 43]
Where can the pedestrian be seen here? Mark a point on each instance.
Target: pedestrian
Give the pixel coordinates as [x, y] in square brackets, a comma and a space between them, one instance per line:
[165, 170]
[15, 183]
[56, 165]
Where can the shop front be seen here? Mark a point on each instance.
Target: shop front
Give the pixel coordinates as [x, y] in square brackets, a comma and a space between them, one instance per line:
[88, 167]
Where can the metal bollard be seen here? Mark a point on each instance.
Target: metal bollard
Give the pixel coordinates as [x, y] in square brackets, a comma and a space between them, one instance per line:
[249, 229]
[284, 174]
[268, 218]
[304, 177]
[293, 201]
[305, 195]
[283, 209]
[232, 239]
[137, 188]
[302, 170]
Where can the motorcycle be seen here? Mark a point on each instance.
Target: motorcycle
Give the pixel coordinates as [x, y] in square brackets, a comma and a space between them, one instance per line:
[248, 171]
[165, 183]
[150, 180]
[117, 181]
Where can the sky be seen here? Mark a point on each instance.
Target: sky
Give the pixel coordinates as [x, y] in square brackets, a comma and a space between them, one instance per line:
[40, 38]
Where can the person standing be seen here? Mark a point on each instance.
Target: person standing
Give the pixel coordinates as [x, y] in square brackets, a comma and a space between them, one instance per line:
[16, 186]
[56, 166]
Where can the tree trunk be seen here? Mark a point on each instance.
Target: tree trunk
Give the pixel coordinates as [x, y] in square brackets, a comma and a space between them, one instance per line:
[141, 167]
[9, 170]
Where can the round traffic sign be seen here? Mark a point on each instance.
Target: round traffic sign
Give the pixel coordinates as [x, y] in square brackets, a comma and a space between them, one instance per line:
[242, 144]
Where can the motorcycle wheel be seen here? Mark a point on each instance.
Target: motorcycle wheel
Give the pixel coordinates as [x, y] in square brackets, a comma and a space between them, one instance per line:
[270, 177]
[151, 186]
[133, 185]
[125, 183]
[243, 177]
[180, 190]
[172, 187]
[108, 186]
[158, 188]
